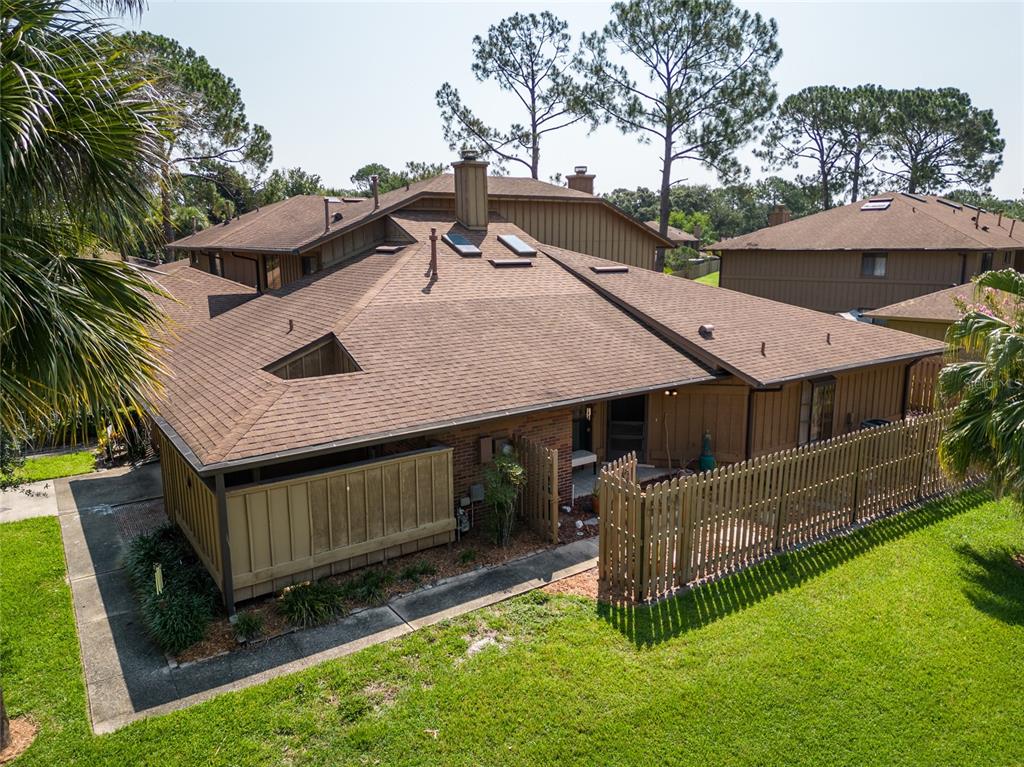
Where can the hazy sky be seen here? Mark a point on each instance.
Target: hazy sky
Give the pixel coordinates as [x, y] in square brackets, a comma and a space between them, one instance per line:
[342, 84]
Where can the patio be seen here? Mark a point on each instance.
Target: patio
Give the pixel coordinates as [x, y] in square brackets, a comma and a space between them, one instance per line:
[584, 479]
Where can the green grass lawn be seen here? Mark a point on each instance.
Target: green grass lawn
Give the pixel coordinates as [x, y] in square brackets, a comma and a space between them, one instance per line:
[53, 466]
[899, 645]
[709, 279]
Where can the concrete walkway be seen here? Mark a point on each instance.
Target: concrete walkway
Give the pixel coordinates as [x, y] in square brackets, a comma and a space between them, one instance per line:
[127, 678]
[36, 499]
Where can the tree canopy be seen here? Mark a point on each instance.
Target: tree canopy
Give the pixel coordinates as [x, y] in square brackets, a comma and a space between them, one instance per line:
[938, 138]
[209, 128]
[696, 81]
[388, 179]
[82, 144]
[530, 56]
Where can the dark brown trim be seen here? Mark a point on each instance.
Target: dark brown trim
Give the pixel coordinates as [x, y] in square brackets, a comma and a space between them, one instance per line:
[750, 423]
[227, 585]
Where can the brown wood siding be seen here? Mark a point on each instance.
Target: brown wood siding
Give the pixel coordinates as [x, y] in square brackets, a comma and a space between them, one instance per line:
[191, 505]
[240, 268]
[831, 281]
[582, 227]
[329, 358]
[936, 330]
[676, 423]
[775, 422]
[471, 201]
[868, 393]
[330, 522]
[352, 243]
[599, 430]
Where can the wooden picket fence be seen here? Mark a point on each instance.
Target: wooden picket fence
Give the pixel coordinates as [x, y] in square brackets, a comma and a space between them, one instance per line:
[922, 384]
[677, 532]
[538, 501]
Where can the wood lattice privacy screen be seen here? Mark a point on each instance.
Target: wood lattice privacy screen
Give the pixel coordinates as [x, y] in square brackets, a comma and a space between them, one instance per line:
[689, 529]
[538, 502]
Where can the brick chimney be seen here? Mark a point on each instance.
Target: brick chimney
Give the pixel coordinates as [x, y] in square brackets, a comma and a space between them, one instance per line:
[471, 190]
[580, 180]
[780, 214]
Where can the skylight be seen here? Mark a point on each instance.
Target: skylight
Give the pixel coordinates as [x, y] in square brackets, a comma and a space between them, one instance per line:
[516, 245]
[461, 245]
[950, 203]
[609, 269]
[389, 249]
[879, 204]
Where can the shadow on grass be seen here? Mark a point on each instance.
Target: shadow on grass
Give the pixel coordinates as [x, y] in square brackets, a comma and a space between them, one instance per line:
[995, 585]
[648, 625]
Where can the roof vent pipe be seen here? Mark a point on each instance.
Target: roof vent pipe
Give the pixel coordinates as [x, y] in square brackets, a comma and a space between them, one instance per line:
[707, 331]
[375, 186]
[432, 271]
[327, 213]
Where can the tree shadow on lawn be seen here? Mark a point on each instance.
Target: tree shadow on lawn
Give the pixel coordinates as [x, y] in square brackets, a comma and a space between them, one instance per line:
[995, 585]
[648, 625]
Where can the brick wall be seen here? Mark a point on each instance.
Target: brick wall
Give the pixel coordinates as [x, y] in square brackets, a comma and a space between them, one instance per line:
[552, 429]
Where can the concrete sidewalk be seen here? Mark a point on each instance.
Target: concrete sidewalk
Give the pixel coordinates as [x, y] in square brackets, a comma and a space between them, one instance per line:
[36, 499]
[127, 678]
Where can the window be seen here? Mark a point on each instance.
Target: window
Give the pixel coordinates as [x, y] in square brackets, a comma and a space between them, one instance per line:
[216, 265]
[273, 272]
[986, 261]
[308, 265]
[873, 264]
[881, 203]
[193, 258]
[817, 410]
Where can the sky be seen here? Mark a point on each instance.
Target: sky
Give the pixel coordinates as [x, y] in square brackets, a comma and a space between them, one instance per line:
[340, 84]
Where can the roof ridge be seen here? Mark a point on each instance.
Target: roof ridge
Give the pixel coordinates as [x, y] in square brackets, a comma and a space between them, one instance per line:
[244, 425]
[375, 290]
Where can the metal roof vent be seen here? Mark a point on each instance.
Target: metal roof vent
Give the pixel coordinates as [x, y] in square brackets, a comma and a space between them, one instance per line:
[388, 249]
[504, 263]
[706, 331]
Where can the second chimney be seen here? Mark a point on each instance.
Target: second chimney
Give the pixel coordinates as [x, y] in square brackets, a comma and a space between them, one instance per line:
[779, 215]
[471, 190]
[580, 180]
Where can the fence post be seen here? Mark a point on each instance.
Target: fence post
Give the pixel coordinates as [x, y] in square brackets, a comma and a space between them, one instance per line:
[640, 548]
[922, 444]
[858, 462]
[779, 514]
[553, 469]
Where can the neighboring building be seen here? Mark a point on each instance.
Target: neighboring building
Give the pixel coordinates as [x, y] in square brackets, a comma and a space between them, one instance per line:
[679, 237]
[273, 246]
[871, 253]
[340, 419]
[929, 315]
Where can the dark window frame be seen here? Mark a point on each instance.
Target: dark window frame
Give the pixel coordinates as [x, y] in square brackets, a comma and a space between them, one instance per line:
[873, 256]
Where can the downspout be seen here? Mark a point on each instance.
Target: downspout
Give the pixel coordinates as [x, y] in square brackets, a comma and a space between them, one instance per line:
[906, 389]
[750, 423]
[227, 585]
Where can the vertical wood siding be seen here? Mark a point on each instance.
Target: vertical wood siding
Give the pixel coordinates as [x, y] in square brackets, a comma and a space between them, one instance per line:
[329, 522]
[775, 422]
[352, 243]
[869, 393]
[831, 281]
[936, 330]
[582, 227]
[191, 505]
[676, 423]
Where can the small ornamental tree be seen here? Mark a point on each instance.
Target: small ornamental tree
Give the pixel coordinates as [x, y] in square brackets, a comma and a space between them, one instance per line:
[986, 430]
[503, 480]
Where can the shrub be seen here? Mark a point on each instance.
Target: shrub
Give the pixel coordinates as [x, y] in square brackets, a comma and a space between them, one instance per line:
[248, 625]
[177, 618]
[414, 572]
[466, 556]
[503, 480]
[370, 587]
[311, 603]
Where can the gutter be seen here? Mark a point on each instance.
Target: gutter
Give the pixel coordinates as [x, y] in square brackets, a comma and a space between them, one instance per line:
[207, 470]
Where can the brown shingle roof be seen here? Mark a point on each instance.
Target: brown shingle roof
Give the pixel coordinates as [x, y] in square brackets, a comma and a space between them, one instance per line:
[798, 343]
[297, 223]
[478, 343]
[921, 222]
[939, 306]
[677, 235]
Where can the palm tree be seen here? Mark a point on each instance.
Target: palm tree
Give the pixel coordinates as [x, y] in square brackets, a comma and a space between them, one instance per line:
[986, 431]
[80, 139]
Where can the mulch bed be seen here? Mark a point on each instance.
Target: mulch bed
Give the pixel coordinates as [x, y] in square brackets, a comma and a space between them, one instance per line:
[582, 585]
[472, 552]
[23, 732]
